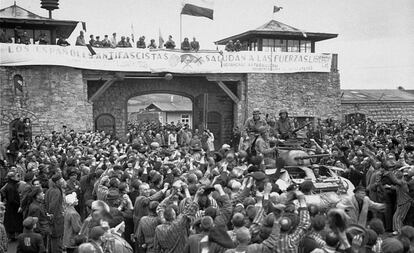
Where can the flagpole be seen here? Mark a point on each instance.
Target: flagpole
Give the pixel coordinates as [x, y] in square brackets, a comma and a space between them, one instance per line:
[181, 28]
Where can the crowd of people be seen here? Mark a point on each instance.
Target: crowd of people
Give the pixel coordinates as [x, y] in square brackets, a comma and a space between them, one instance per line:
[21, 37]
[167, 189]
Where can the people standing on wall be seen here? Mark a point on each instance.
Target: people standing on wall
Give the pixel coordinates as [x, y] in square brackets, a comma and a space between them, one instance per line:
[128, 42]
[229, 46]
[141, 42]
[97, 42]
[80, 40]
[43, 39]
[122, 42]
[91, 40]
[185, 45]
[237, 46]
[170, 44]
[195, 45]
[114, 41]
[152, 44]
[62, 42]
[106, 42]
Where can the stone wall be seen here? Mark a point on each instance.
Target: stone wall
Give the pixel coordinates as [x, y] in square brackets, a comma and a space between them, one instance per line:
[52, 96]
[302, 94]
[381, 111]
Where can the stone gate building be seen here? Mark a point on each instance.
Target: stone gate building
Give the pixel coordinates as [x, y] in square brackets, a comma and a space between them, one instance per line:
[55, 86]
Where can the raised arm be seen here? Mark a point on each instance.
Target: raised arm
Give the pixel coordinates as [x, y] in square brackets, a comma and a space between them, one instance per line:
[226, 207]
[304, 220]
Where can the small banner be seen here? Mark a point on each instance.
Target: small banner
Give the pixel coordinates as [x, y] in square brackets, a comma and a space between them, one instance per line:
[160, 60]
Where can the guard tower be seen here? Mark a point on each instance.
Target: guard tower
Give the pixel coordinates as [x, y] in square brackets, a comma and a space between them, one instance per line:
[275, 36]
[15, 20]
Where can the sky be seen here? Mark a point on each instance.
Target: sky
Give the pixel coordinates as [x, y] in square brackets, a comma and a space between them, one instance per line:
[375, 42]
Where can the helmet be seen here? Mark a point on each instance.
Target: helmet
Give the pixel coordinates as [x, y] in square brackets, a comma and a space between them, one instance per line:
[256, 111]
[283, 111]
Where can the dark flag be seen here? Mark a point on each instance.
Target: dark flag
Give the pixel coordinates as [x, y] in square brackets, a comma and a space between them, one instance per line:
[276, 9]
[200, 8]
[84, 26]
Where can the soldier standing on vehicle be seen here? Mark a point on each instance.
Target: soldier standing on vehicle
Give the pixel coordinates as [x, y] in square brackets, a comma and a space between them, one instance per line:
[253, 123]
[283, 125]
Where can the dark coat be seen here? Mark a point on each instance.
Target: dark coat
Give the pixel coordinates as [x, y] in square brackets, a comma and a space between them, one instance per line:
[12, 219]
[29, 242]
[54, 205]
[38, 210]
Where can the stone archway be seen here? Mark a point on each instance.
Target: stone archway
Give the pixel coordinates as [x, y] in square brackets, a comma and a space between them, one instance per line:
[205, 95]
[9, 115]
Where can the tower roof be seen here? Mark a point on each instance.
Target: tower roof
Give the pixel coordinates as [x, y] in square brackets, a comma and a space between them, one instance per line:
[17, 12]
[278, 30]
[15, 15]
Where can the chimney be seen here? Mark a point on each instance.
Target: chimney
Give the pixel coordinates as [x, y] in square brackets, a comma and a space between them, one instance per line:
[172, 99]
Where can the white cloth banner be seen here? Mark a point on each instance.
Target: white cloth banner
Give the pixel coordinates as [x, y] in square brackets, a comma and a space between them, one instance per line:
[144, 60]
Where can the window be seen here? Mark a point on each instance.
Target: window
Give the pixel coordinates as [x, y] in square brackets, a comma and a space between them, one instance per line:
[253, 46]
[305, 46]
[185, 118]
[280, 45]
[268, 45]
[293, 46]
[18, 84]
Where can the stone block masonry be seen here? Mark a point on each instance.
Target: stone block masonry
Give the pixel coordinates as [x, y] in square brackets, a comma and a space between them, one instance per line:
[52, 96]
[382, 111]
[302, 94]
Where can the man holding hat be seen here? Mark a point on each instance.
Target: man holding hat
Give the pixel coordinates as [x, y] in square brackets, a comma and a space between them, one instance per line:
[29, 241]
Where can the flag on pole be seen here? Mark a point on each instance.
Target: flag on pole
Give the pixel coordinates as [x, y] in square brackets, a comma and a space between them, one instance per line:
[84, 26]
[276, 9]
[132, 33]
[199, 8]
[160, 39]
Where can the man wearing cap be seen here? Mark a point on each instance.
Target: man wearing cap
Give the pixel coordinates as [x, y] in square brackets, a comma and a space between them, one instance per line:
[283, 125]
[29, 241]
[253, 123]
[54, 206]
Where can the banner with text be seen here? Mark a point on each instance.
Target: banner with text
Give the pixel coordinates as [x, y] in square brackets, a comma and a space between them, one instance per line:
[144, 60]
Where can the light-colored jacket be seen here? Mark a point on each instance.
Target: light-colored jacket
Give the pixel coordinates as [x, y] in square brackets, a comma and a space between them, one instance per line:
[355, 215]
[72, 225]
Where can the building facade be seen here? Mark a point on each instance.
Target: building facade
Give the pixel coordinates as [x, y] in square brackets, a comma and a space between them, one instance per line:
[378, 105]
[72, 93]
